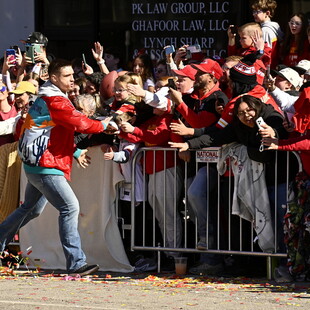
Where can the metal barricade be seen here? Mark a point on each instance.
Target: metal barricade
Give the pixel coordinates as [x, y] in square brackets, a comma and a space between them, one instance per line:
[147, 234]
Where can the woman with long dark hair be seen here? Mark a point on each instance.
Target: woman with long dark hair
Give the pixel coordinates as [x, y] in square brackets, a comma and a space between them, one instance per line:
[295, 46]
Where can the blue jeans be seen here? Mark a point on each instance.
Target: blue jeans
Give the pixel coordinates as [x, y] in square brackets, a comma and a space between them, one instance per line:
[197, 197]
[56, 190]
[281, 200]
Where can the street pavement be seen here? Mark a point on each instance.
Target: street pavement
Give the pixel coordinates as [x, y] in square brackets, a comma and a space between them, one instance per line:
[56, 290]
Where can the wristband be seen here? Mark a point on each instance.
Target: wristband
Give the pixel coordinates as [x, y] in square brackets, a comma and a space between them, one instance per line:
[101, 62]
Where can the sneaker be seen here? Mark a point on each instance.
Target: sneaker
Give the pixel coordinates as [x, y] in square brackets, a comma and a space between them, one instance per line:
[84, 270]
[145, 264]
[202, 244]
[281, 275]
[206, 269]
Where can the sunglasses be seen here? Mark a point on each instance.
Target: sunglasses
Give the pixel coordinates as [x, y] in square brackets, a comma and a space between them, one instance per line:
[292, 23]
[3, 89]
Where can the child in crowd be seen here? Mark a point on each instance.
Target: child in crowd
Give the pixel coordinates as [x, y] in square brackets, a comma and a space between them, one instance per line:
[125, 101]
[263, 11]
[251, 41]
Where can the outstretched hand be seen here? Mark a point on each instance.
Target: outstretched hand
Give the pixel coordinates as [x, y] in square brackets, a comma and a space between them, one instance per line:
[182, 146]
[83, 159]
[108, 154]
[127, 127]
[136, 90]
[270, 143]
[180, 129]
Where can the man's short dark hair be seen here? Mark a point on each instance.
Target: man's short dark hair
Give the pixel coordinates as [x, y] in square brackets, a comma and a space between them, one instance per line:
[95, 78]
[56, 65]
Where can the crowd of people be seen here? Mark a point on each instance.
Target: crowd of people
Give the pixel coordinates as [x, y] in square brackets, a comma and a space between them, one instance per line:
[54, 109]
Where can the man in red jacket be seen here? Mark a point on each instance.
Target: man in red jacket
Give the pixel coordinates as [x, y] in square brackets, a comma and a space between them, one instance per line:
[46, 148]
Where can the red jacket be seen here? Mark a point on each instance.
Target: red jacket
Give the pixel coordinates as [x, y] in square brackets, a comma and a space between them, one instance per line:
[156, 132]
[47, 138]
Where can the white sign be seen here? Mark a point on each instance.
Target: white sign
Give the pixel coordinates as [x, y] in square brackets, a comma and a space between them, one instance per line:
[208, 155]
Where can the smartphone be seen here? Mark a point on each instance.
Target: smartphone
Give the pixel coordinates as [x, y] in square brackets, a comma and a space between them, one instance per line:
[84, 60]
[11, 56]
[171, 83]
[169, 49]
[194, 48]
[260, 122]
[233, 29]
[32, 50]
[15, 48]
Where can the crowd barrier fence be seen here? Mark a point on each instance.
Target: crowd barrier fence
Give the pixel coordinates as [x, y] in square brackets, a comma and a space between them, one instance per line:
[232, 235]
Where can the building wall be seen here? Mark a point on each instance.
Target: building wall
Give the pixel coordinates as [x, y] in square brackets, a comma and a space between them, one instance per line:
[17, 20]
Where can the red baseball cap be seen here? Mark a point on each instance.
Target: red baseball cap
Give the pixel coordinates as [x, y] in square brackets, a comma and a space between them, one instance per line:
[187, 71]
[210, 66]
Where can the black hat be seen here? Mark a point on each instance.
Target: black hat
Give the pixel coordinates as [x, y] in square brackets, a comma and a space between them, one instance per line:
[244, 71]
[38, 38]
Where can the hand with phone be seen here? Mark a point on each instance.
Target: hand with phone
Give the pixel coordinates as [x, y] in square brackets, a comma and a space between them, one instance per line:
[11, 57]
[180, 54]
[219, 105]
[175, 96]
[87, 69]
[171, 84]
[265, 130]
[232, 33]
[169, 50]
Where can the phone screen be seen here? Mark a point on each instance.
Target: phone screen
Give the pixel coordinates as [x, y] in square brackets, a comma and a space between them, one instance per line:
[11, 56]
[84, 60]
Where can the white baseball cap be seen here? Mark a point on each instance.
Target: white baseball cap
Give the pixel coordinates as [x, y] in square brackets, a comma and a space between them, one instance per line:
[302, 66]
[291, 75]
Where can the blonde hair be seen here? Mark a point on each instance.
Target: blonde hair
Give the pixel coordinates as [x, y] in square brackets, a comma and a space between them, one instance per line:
[233, 58]
[250, 28]
[131, 78]
[86, 102]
